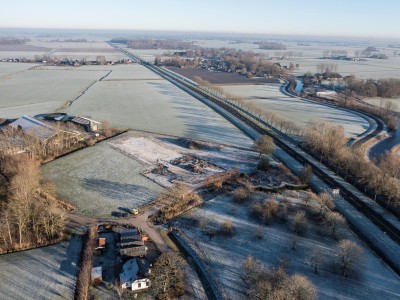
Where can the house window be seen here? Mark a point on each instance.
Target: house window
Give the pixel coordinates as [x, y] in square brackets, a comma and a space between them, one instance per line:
[147, 283]
[139, 285]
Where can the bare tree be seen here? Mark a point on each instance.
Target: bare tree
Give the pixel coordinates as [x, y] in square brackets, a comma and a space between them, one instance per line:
[316, 259]
[349, 255]
[227, 227]
[305, 174]
[264, 145]
[241, 194]
[301, 287]
[167, 276]
[299, 222]
[334, 221]
[325, 202]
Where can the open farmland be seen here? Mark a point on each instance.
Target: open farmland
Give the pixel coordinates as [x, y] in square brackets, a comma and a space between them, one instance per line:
[43, 90]
[8, 68]
[224, 255]
[154, 105]
[300, 112]
[43, 273]
[101, 181]
[381, 101]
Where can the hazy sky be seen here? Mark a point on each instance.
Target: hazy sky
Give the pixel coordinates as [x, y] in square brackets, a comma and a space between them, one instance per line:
[375, 18]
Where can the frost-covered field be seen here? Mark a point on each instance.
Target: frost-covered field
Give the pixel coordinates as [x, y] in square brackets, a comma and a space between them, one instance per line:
[8, 68]
[302, 113]
[41, 91]
[101, 181]
[224, 255]
[44, 273]
[381, 101]
[157, 106]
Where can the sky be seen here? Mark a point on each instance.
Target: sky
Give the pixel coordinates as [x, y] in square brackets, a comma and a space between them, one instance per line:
[346, 18]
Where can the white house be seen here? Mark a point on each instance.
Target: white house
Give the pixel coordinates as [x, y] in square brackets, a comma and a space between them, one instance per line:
[130, 279]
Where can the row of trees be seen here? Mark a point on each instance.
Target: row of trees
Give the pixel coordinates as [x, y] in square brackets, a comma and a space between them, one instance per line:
[386, 88]
[329, 142]
[271, 46]
[13, 41]
[29, 209]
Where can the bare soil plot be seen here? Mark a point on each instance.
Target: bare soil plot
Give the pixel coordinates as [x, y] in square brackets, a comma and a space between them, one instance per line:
[300, 112]
[224, 255]
[221, 78]
[157, 106]
[171, 160]
[43, 273]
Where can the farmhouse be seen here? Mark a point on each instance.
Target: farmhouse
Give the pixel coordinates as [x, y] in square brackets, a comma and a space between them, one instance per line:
[88, 124]
[132, 277]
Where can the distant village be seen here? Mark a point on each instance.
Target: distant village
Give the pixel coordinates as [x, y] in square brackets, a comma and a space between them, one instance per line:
[55, 61]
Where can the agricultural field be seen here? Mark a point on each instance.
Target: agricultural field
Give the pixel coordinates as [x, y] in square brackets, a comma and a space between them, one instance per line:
[154, 105]
[272, 244]
[8, 69]
[116, 175]
[42, 90]
[381, 101]
[220, 78]
[101, 181]
[43, 273]
[300, 112]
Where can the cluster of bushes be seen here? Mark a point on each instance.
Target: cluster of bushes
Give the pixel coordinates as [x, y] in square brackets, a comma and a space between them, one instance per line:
[178, 200]
[276, 283]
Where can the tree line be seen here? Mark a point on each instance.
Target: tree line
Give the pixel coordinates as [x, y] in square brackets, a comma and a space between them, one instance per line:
[12, 41]
[29, 209]
[329, 143]
[386, 88]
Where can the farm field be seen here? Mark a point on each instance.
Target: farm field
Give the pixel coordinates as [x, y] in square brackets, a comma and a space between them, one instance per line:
[220, 78]
[300, 112]
[43, 90]
[377, 101]
[157, 106]
[101, 181]
[43, 273]
[7, 69]
[224, 255]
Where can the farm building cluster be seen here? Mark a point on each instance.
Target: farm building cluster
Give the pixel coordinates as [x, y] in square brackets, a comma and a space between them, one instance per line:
[122, 250]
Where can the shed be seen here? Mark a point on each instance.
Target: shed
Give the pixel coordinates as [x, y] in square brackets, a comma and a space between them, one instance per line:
[89, 124]
[101, 242]
[97, 275]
